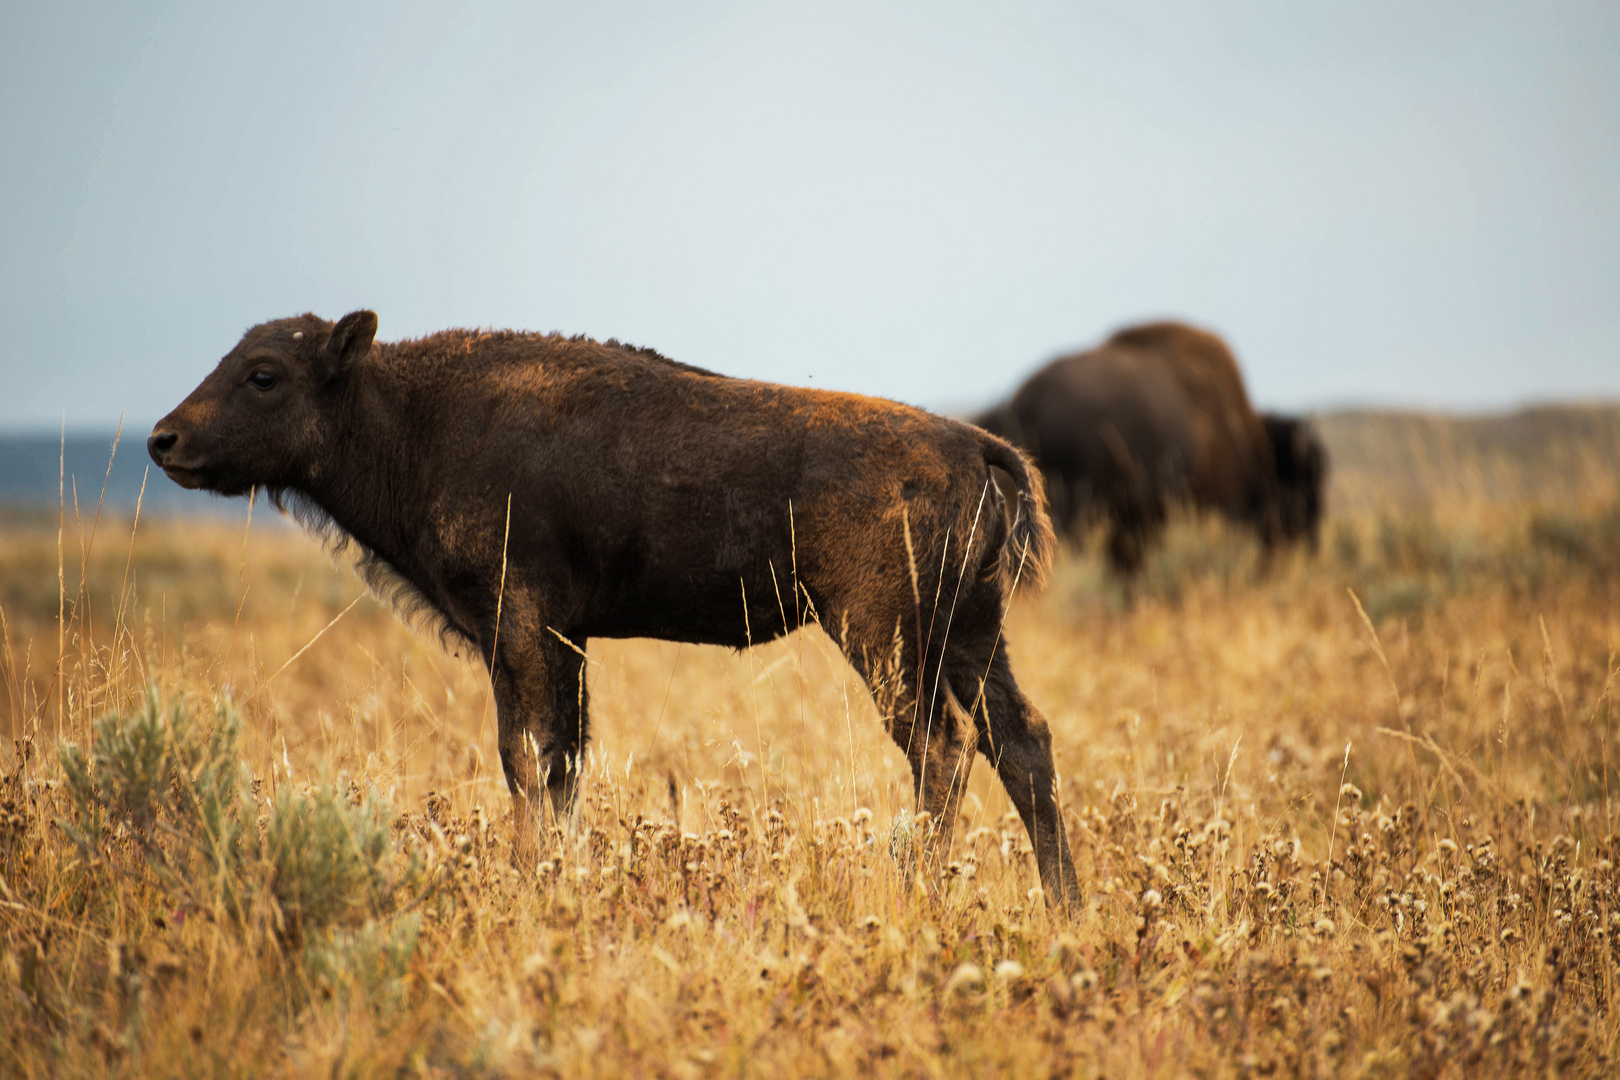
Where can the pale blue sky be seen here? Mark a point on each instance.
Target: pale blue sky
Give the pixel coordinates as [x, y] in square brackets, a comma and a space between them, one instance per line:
[1400, 203]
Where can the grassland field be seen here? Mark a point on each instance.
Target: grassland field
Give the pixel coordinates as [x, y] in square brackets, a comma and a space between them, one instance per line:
[1348, 814]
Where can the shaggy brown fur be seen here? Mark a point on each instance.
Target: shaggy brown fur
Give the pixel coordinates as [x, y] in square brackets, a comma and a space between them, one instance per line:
[533, 492]
[1158, 413]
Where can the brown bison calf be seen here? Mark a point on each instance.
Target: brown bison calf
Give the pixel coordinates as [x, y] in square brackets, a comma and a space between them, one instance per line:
[533, 491]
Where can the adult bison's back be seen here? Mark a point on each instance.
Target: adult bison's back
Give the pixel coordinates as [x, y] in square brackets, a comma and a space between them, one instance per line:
[1158, 413]
[534, 491]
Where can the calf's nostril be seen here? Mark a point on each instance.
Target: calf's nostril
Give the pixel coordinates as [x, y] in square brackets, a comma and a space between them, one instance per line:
[160, 443]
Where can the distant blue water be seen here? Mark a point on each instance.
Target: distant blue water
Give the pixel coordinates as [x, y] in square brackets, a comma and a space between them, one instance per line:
[30, 466]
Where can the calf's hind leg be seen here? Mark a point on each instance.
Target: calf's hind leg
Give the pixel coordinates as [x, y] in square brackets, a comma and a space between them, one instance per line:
[941, 758]
[542, 723]
[926, 721]
[1014, 736]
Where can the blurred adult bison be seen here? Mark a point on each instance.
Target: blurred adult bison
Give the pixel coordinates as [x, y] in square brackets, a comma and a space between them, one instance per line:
[532, 491]
[1158, 413]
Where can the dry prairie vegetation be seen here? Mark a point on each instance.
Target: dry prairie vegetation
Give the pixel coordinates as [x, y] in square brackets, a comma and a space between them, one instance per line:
[1348, 816]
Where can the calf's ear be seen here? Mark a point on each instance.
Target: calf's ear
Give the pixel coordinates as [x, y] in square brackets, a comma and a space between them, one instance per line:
[351, 339]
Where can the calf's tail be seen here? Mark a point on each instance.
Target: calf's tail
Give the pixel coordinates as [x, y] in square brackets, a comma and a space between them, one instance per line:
[1027, 554]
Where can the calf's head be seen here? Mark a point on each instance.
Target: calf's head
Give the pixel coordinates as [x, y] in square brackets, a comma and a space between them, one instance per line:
[1300, 464]
[266, 414]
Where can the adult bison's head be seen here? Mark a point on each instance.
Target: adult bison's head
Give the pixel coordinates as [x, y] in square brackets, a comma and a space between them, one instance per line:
[262, 419]
[1300, 468]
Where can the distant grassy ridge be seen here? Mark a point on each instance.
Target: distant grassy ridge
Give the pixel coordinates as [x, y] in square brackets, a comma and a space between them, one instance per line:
[1548, 454]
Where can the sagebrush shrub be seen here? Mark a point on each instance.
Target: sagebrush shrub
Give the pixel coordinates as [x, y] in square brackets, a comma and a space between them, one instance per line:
[160, 792]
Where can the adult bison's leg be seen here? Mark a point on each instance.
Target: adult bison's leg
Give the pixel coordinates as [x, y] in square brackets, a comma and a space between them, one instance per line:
[1014, 736]
[542, 722]
[1135, 525]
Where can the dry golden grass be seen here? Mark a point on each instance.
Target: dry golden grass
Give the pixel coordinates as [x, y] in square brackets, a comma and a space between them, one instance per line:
[1347, 816]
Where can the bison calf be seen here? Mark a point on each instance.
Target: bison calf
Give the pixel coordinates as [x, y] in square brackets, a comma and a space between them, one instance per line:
[534, 491]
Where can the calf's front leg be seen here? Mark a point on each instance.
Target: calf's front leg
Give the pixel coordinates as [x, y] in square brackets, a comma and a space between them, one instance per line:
[541, 727]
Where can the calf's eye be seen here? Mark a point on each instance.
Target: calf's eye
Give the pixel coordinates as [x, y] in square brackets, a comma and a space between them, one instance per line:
[262, 380]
